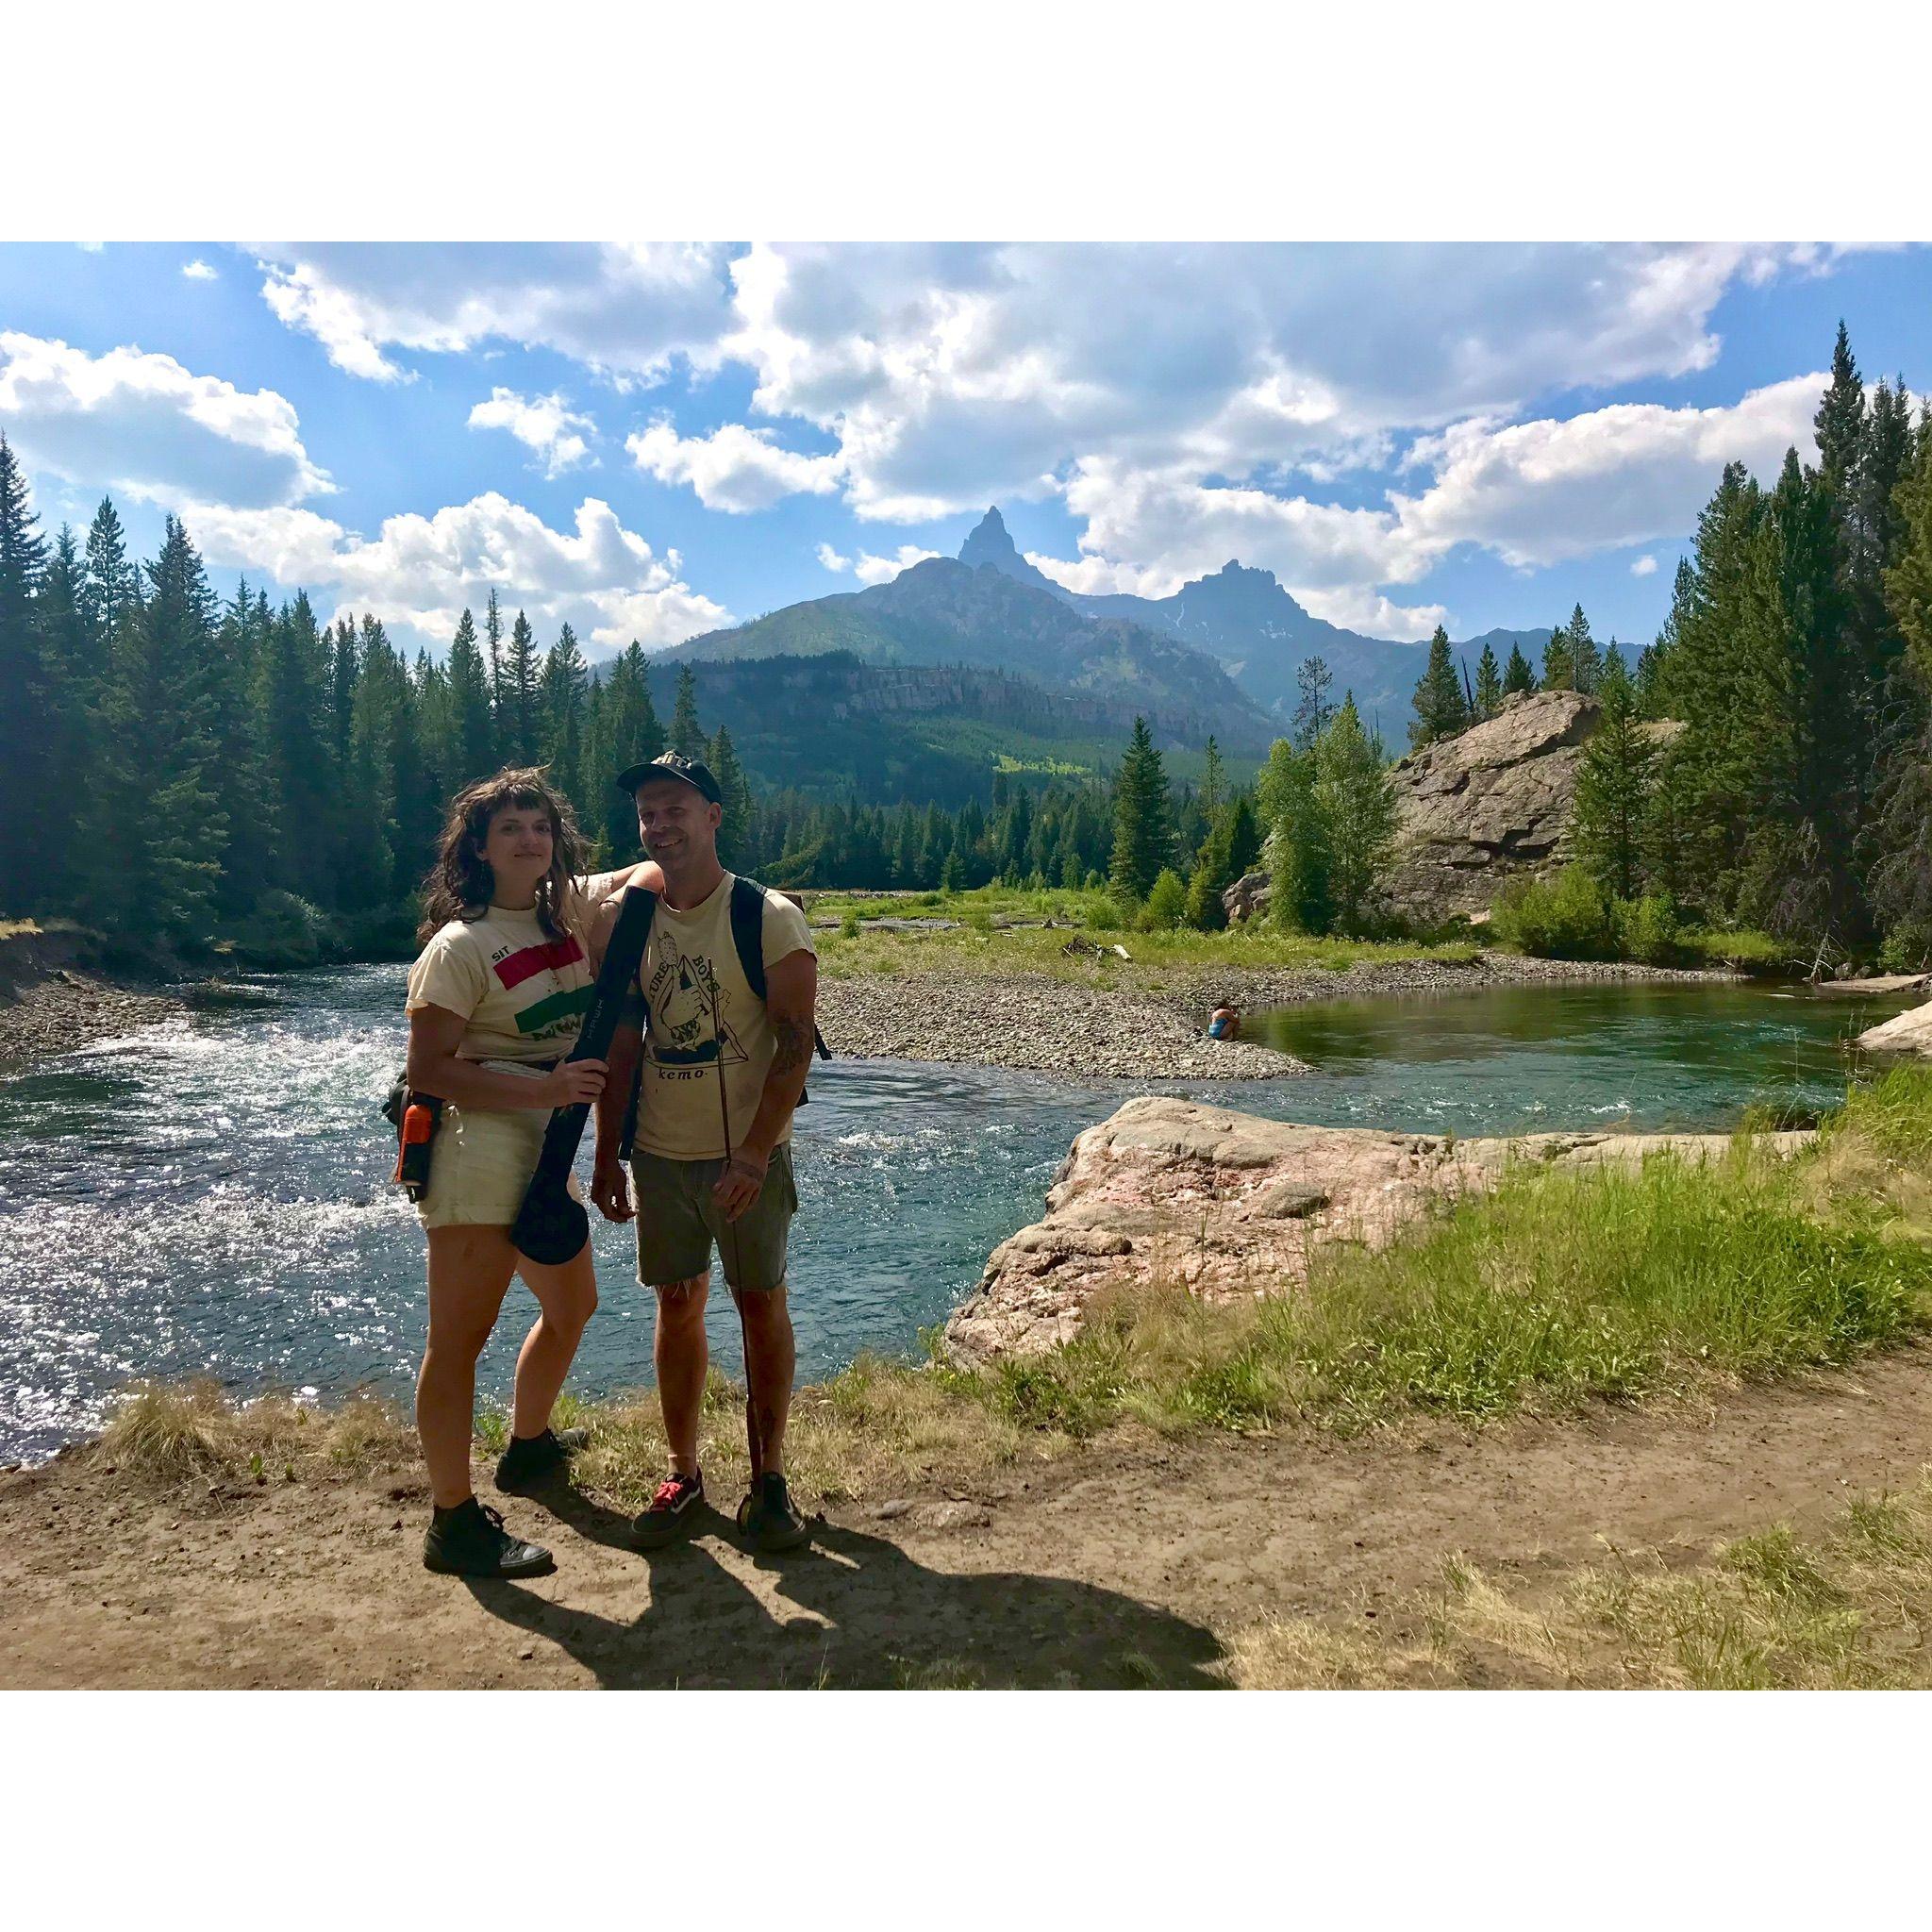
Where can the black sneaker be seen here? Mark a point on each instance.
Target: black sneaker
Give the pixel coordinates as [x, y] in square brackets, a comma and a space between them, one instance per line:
[769, 1516]
[675, 1510]
[471, 1541]
[531, 1461]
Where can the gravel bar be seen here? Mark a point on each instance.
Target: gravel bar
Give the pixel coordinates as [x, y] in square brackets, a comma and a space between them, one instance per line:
[1135, 1031]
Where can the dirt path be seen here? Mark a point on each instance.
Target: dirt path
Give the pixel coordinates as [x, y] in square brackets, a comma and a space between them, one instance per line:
[1124, 1565]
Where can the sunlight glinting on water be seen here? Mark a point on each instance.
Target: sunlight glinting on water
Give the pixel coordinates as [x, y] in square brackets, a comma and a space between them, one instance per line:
[210, 1196]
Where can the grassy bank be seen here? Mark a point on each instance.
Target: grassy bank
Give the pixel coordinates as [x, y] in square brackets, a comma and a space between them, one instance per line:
[1558, 1291]
[987, 940]
[1845, 1610]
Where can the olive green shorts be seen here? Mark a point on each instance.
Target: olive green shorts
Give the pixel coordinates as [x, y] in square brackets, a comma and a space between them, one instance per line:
[678, 1222]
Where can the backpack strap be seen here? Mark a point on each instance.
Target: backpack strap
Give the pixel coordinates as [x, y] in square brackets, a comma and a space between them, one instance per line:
[748, 939]
[630, 1131]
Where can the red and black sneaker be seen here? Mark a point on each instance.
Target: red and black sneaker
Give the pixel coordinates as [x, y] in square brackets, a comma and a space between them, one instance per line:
[675, 1507]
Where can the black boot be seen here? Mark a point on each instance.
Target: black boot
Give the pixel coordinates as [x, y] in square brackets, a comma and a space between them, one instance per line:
[471, 1541]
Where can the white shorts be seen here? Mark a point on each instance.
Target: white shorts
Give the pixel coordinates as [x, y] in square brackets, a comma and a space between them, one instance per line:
[481, 1162]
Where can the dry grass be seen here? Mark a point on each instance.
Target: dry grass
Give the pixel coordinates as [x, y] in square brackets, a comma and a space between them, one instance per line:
[167, 1433]
[1848, 1610]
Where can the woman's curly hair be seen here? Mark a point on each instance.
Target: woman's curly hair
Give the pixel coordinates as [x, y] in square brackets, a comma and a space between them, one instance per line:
[461, 882]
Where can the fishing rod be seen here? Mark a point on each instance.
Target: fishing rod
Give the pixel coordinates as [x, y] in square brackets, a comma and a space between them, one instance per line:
[754, 1436]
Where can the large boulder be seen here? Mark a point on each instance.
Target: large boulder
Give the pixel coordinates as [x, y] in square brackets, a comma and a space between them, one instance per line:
[1906, 1032]
[1248, 898]
[1231, 1206]
[1492, 803]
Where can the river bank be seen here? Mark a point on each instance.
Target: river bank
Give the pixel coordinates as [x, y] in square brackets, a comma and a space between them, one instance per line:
[1128, 1021]
[57, 994]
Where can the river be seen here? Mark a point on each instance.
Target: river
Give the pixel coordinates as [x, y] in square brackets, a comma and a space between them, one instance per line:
[208, 1196]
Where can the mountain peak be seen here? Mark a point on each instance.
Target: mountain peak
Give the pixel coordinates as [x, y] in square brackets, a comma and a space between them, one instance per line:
[989, 543]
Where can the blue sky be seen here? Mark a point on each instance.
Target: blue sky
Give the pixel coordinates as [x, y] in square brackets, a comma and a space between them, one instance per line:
[648, 441]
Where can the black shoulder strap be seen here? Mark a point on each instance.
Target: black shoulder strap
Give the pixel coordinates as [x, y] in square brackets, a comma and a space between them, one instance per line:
[748, 931]
[748, 940]
[629, 1132]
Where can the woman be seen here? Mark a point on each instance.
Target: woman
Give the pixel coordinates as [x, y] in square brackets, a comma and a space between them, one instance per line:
[495, 1001]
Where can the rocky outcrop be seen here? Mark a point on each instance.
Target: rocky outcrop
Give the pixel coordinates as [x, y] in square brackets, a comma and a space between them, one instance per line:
[1906, 1032]
[1248, 898]
[1232, 1205]
[1492, 803]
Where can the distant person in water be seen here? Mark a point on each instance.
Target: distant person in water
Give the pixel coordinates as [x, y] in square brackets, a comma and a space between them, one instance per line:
[495, 1001]
[1225, 1022]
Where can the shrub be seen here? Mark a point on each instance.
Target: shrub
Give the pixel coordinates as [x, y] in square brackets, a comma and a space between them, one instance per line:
[848, 927]
[1567, 918]
[284, 931]
[1102, 915]
[1649, 930]
[1166, 904]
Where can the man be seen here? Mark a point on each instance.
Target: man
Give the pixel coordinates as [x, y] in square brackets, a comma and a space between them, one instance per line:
[719, 1073]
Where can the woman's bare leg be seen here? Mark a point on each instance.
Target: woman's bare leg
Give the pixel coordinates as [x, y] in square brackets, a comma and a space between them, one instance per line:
[469, 1272]
[566, 1300]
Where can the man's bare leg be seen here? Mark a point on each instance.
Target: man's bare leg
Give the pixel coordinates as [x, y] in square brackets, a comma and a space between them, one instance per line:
[682, 1356]
[770, 1361]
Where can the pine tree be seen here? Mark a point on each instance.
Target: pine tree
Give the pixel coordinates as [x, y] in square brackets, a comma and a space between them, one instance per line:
[156, 819]
[1143, 818]
[1213, 779]
[1518, 677]
[1441, 709]
[472, 729]
[1586, 659]
[493, 656]
[518, 712]
[1357, 805]
[111, 591]
[1901, 839]
[686, 736]
[1841, 418]
[66, 725]
[735, 828]
[1613, 786]
[627, 734]
[561, 703]
[238, 774]
[291, 685]
[22, 748]
[1488, 684]
[1313, 681]
[1559, 667]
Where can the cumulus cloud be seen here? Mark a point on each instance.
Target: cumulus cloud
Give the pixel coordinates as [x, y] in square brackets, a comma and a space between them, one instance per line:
[420, 572]
[1549, 490]
[149, 427]
[870, 569]
[626, 311]
[198, 271]
[1644, 567]
[543, 424]
[734, 469]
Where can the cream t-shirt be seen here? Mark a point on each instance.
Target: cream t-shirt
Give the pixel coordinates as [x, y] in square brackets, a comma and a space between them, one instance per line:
[704, 1017]
[523, 992]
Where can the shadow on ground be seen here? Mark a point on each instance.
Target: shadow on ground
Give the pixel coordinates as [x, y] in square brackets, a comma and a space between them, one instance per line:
[851, 1612]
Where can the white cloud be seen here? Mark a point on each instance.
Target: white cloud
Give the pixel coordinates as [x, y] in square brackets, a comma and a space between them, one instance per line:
[420, 572]
[1544, 493]
[870, 569]
[198, 271]
[734, 469]
[1369, 611]
[144, 426]
[1644, 567]
[624, 311]
[879, 570]
[543, 424]
[1100, 576]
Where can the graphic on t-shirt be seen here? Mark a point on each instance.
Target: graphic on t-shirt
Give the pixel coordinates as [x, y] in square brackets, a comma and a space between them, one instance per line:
[686, 1003]
[558, 1011]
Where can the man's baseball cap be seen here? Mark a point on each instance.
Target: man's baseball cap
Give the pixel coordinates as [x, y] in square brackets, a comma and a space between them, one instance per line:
[673, 765]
